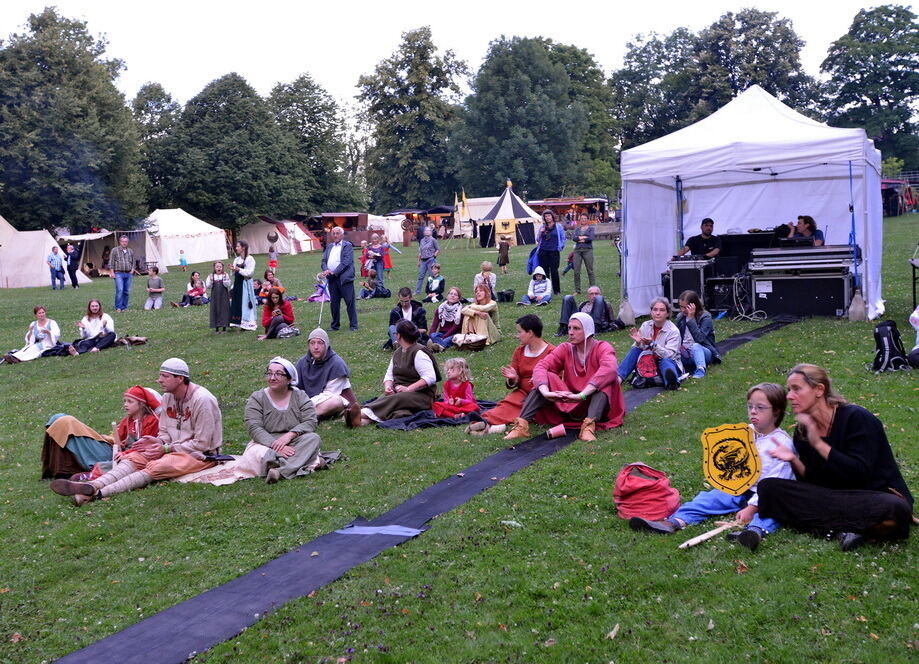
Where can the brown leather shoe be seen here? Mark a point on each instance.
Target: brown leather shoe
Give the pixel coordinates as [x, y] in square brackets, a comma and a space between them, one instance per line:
[353, 416]
[68, 488]
[521, 429]
[588, 429]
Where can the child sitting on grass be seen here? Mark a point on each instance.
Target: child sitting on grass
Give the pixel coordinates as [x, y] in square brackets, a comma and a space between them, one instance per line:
[458, 399]
[434, 286]
[539, 291]
[487, 277]
[766, 407]
[370, 287]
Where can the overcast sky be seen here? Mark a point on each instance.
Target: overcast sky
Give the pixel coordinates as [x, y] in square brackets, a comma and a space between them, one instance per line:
[186, 44]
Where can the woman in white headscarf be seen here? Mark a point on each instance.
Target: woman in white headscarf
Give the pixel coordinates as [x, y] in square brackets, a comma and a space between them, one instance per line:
[282, 417]
[575, 385]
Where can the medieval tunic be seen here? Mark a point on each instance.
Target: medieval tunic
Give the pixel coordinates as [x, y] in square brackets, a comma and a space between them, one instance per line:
[266, 422]
[408, 365]
[508, 409]
[219, 285]
[243, 305]
[191, 426]
[38, 340]
[462, 391]
[486, 327]
[562, 371]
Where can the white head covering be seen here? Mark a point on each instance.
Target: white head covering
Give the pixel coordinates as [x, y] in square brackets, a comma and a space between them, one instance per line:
[174, 365]
[288, 367]
[586, 322]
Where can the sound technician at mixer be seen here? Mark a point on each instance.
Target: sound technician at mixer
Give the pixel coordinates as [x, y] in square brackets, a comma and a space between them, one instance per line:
[705, 244]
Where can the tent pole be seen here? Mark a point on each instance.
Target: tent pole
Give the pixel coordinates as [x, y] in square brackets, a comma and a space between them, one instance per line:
[679, 207]
[857, 306]
[626, 313]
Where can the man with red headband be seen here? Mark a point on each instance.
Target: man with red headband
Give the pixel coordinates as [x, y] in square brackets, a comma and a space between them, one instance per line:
[190, 430]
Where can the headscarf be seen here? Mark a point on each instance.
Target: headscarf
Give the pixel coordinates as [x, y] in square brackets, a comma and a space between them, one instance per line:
[288, 367]
[147, 397]
[315, 374]
[586, 322]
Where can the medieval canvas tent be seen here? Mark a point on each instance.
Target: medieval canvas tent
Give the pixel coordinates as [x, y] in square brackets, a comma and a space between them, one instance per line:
[23, 258]
[388, 225]
[754, 163]
[95, 248]
[175, 229]
[508, 216]
[292, 236]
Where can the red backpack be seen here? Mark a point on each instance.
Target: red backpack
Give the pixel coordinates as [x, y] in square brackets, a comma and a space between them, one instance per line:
[645, 492]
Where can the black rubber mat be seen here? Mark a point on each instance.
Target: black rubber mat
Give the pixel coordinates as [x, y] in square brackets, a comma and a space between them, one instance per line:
[199, 623]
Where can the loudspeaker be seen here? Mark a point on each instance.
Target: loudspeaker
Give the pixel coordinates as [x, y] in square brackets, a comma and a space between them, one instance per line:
[803, 295]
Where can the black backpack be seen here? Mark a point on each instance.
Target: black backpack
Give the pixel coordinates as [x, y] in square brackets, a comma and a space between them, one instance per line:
[889, 354]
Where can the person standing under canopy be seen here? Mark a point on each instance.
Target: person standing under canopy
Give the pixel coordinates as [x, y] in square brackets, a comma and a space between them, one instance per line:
[576, 384]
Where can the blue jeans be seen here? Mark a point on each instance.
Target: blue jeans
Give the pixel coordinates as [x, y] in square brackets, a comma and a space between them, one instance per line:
[668, 368]
[526, 299]
[716, 503]
[123, 281]
[57, 276]
[423, 268]
[438, 338]
[698, 358]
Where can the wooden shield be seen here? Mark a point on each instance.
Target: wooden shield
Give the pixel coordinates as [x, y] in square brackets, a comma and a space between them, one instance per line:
[730, 460]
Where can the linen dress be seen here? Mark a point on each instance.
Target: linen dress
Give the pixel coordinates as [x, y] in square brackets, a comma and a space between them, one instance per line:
[265, 422]
[508, 409]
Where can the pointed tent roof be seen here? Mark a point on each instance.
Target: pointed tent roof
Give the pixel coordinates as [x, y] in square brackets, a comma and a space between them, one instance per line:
[509, 206]
[753, 131]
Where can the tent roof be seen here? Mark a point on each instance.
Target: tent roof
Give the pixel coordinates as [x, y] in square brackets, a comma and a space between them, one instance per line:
[753, 131]
[84, 236]
[177, 222]
[509, 206]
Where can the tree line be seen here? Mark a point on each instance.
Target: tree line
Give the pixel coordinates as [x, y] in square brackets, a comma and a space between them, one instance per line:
[74, 152]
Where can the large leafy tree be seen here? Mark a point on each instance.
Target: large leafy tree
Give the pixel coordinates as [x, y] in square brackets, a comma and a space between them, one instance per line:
[874, 79]
[228, 159]
[746, 48]
[156, 114]
[309, 113]
[597, 172]
[409, 107]
[651, 92]
[521, 123]
[69, 150]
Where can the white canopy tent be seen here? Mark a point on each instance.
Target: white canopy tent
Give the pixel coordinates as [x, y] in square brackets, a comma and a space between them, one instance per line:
[24, 258]
[292, 236]
[95, 248]
[390, 226]
[755, 163]
[175, 229]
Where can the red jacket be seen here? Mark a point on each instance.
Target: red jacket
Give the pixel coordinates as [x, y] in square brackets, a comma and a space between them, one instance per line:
[287, 313]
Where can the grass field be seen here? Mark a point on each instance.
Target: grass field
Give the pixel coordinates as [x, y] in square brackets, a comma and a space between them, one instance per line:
[469, 589]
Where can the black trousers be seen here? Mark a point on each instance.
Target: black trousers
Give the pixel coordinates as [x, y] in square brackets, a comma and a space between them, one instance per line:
[277, 322]
[597, 405]
[548, 261]
[342, 291]
[72, 271]
[810, 507]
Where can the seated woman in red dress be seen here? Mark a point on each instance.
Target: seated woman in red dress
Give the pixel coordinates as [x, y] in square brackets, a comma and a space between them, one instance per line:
[276, 314]
[458, 399]
[518, 377]
[575, 385]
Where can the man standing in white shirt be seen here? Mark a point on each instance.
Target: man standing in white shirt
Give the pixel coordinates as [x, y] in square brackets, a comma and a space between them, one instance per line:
[338, 268]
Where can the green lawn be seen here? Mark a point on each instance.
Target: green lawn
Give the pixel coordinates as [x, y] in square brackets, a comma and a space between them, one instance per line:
[469, 589]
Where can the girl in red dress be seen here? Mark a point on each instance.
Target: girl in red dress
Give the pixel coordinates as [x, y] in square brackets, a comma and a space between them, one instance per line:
[458, 399]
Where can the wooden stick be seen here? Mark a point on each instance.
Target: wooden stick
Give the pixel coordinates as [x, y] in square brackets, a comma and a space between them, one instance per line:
[698, 539]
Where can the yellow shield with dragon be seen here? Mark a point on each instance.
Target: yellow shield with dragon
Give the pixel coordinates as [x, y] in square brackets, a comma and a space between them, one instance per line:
[730, 460]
